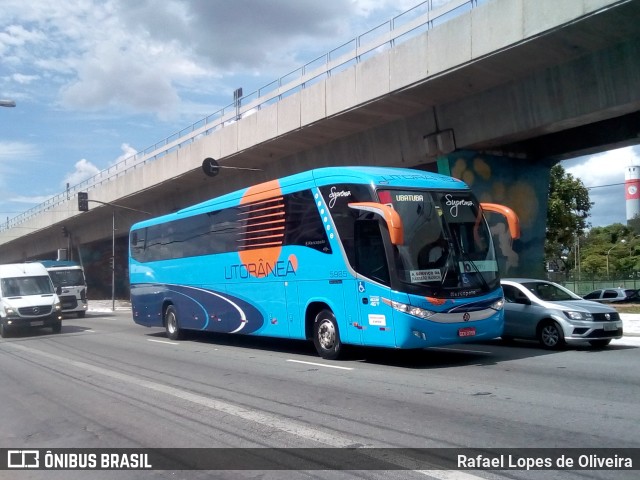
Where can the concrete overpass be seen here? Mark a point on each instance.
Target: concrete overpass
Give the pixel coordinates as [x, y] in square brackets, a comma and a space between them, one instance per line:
[494, 92]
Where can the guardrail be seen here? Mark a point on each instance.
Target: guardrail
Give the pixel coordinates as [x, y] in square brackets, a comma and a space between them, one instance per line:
[407, 25]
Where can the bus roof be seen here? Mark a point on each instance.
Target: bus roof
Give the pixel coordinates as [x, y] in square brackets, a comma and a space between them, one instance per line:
[59, 264]
[379, 176]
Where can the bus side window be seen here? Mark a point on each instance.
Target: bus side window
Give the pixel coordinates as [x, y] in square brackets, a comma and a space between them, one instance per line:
[371, 260]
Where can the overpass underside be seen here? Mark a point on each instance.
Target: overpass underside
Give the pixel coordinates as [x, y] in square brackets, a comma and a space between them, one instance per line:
[495, 96]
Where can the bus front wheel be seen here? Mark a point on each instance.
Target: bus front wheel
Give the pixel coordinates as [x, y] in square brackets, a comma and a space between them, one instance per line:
[171, 323]
[326, 336]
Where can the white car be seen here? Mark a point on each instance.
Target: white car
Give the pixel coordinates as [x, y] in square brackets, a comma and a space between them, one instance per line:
[553, 315]
[613, 295]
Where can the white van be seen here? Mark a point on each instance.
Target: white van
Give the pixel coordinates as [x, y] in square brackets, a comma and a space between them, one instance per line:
[27, 298]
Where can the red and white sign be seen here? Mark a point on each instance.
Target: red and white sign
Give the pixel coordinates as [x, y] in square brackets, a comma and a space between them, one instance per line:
[632, 189]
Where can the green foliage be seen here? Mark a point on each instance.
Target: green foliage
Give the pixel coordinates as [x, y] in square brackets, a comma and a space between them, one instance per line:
[601, 253]
[634, 224]
[616, 245]
[567, 213]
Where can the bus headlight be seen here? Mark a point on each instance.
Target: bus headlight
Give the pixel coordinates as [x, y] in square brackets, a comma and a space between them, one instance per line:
[408, 309]
[497, 305]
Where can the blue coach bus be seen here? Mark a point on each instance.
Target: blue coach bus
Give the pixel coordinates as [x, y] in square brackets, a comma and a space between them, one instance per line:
[371, 256]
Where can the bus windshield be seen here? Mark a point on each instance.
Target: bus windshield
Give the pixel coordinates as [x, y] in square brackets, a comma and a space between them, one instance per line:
[447, 247]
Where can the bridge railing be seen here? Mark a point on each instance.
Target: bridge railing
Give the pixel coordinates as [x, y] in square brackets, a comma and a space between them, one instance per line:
[408, 24]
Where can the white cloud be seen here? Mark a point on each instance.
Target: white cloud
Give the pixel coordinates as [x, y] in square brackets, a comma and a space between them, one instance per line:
[138, 56]
[13, 156]
[127, 151]
[14, 152]
[24, 79]
[604, 168]
[32, 200]
[604, 175]
[84, 170]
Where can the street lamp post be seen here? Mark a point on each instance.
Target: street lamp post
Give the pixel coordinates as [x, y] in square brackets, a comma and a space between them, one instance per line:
[576, 252]
[83, 206]
[608, 252]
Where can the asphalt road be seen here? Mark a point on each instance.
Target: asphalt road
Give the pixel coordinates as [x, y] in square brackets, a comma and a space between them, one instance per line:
[105, 382]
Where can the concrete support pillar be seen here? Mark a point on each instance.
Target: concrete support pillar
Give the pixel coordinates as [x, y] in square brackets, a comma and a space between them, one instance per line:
[520, 184]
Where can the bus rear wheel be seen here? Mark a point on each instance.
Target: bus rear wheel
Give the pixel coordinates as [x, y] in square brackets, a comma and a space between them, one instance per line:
[171, 323]
[326, 336]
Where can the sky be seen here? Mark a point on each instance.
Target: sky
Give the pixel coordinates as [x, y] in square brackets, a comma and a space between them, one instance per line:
[96, 81]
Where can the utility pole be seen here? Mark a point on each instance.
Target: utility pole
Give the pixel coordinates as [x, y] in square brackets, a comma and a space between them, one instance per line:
[83, 206]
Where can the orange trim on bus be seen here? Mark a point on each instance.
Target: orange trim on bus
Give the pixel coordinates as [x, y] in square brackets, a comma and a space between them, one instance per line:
[512, 218]
[394, 222]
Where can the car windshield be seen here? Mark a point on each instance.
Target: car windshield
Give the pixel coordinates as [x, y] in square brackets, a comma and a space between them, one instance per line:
[550, 292]
[22, 286]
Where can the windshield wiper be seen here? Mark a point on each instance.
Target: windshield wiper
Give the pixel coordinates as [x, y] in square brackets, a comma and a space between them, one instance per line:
[467, 260]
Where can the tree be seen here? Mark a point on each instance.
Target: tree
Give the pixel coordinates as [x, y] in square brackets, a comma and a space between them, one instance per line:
[614, 245]
[567, 212]
[634, 224]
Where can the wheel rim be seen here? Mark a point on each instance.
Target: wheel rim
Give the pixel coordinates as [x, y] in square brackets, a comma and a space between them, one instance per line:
[550, 336]
[327, 335]
[171, 323]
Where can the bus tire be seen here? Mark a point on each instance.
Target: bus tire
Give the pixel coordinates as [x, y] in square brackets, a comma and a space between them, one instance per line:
[326, 337]
[171, 323]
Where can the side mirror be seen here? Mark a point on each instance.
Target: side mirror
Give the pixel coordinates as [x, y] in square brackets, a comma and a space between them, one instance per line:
[58, 290]
[512, 218]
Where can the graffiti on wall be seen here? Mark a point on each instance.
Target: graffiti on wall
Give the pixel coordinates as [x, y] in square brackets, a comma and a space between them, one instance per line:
[519, 184]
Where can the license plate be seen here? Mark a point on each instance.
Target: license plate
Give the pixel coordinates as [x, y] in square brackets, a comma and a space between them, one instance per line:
[37, 323]
[467, 332]
[608, 327]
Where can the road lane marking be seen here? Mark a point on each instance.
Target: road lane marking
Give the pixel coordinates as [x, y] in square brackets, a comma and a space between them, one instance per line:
[319, 364]
[266, 419]
[449, 474]
[167, 342]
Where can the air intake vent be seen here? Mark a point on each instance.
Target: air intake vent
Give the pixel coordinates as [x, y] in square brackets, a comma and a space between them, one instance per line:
[263, 224]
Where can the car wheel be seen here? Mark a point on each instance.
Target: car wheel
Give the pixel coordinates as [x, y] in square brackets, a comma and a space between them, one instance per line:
[326, 336]
[600, 343]
[82, 314]
[56, 327]
[4, 330]
[171, 323]
[550, 335]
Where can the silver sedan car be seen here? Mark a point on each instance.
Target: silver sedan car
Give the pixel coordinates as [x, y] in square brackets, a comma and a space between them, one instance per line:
[553, 315]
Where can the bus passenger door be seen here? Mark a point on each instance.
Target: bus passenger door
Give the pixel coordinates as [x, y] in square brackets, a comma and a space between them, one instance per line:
[375, 319]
